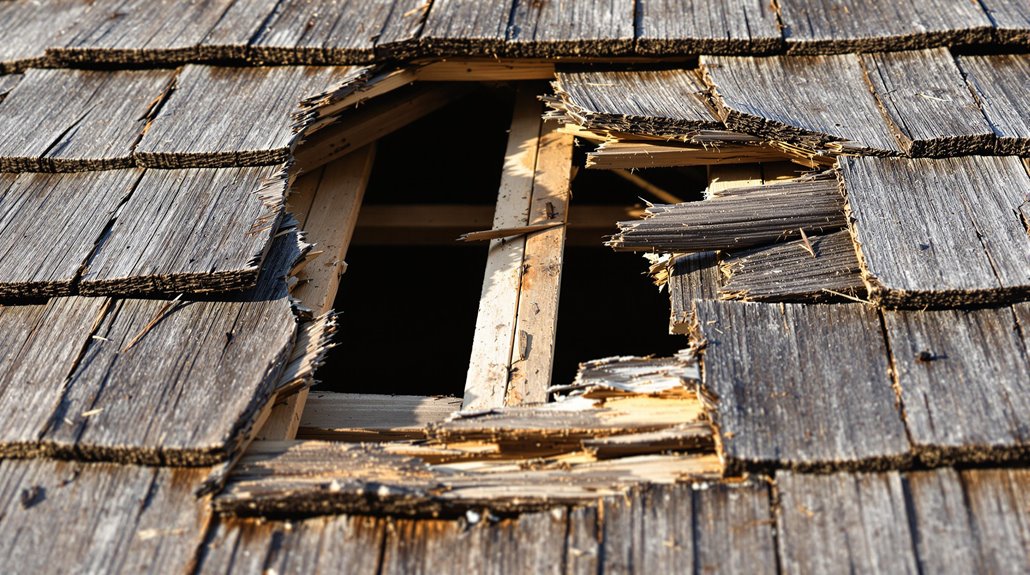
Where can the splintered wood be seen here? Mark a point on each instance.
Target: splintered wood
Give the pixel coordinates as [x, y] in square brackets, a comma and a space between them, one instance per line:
[623, 422]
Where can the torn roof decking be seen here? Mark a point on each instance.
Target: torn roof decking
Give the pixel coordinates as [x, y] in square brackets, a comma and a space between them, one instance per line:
[116, 518]
[134, 231]
[942, 233]
[87, 398]
[660, 102]
[221, 116]
[94, 121]
[839, 26]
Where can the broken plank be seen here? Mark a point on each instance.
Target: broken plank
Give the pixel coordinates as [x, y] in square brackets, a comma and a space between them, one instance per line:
[366, 417]
[368, 123]
[532, 355]
[691, 277]
[615, 154]
[47, 260]
[939, 233]
[487, 380]
[227, 116]
[967, 368]
[828, 522]
[484, 70]
[812, 269]
[77, 120]
[188, 231]
[672, 27]
[799, 386]
[786, 98]
[840, 26]
[927, 103]
[994, 81]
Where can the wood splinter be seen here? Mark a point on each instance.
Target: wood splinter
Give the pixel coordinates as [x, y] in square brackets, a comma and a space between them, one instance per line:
[487, 235]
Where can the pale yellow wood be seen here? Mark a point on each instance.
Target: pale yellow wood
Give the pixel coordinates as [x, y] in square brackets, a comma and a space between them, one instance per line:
[368, 417]
[487, 379]
[302, 194]
[366, 124]
[467, 70]
[532, 355]
[733, 176]
[658, 193]
[376, 86]
[329, 224]
[780, 171]
[613, 154]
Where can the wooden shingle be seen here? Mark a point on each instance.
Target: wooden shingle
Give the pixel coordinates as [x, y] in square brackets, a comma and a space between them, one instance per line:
[194, 231]
[929, 107]
[998, 84]
[801, 386]
[839, 26]
[74, 209]
[962, 378]
[1011, 19]
[90, 121]
[940, 232]
[569, 28]
[465, 27]
[788, 98]
[221, 116]
[28, 27]
[704, 27]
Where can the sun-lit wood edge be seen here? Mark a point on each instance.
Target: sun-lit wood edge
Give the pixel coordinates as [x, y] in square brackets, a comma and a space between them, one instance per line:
[441, 224]
[333, 198]
[657, 192]
[366, 124]
[636, 154]
[370, 417]
[487, 379]
[532, 355]
[377, 86]
[471, 70]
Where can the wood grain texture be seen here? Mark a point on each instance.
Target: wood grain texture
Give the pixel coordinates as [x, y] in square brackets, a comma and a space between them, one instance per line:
[800, 386]
[188, 231]
[839, 26]
[559, 28]
[678, 529]
[787, 98]
[116, 518]
[465, 27]
[368, 417]
[747, 217]
[340, 544]
[29, 27]
[844, 522]
[788, 272]
[940, 233]
[668, 27]
[927, 103]
[486, 382]
[621, 154]
[998, 511]
[655, 102]
[139, 32]
[7, 83]
[962, 380]
[47, 260]
[1011, 19]
[90, 120]
[221, 116]
[691, 277]
[116, 367]
[996, 84]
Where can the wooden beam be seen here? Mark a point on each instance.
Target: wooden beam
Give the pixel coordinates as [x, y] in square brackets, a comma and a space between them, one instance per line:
[327, 203]
[532, 356]
[487, 380]
[366, 124]
[368, 417]
[613, 154]
[470, 70]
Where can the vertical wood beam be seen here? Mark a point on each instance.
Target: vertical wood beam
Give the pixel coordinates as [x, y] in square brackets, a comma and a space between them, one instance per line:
[487, 378]
[326, 202]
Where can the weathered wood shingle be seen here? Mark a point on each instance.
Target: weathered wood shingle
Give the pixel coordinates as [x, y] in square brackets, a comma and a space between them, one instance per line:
[76, 120]
[705, 27]
[803, 386]
[999, 86]
[962, 377]
[927, 103]
[28, 27]
[1011, 19]
[194, 231]
[838, 26]
[116, 518]
[789, 98]
[468, 27]
[940, 232]
[221, 116]
[52, 224]
[558, 28]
